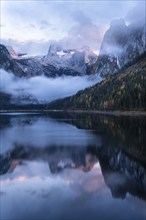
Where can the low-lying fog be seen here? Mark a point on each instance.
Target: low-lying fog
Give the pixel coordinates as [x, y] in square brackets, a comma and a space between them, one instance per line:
[42, 88]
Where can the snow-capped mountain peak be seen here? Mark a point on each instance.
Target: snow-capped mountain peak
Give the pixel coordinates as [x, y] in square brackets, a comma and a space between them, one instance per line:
[53, 49]
[75, 59]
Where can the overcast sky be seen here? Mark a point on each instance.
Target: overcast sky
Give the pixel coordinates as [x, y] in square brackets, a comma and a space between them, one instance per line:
[30, 26]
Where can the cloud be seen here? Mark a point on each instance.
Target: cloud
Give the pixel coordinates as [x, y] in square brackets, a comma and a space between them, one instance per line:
[31, 47]
[81, 18]
[137, 13]
[71, 22]
[32, 26]
[43, 17]
[44, 24]
[83, 32]
[80, 36]
[43, 88]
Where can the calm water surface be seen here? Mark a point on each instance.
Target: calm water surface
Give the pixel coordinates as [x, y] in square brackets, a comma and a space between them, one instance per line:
[72, 166]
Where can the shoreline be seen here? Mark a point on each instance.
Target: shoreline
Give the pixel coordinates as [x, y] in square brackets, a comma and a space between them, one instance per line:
[114, 113]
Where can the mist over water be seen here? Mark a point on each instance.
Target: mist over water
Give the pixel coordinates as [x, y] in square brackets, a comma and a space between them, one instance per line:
[43, 88]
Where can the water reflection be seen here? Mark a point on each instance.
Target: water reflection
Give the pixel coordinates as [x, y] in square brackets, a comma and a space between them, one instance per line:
[41, 132]
[72, 166]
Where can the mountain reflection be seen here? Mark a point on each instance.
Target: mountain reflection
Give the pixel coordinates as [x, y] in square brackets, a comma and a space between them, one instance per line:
[79, 142]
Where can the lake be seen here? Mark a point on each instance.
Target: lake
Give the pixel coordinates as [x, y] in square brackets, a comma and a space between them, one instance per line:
[72, 166]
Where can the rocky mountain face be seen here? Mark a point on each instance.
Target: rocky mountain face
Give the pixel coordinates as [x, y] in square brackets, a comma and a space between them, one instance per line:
[121, 45]
[76, 60]
[21, 67]
[57, 62]
[12, 52]
[8, 63]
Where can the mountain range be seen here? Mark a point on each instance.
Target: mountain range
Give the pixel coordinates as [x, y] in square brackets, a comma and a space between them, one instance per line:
[121, 45]
[121, 63]
[57, 62]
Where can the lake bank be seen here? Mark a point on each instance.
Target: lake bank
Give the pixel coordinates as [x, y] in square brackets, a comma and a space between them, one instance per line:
[115, 113]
